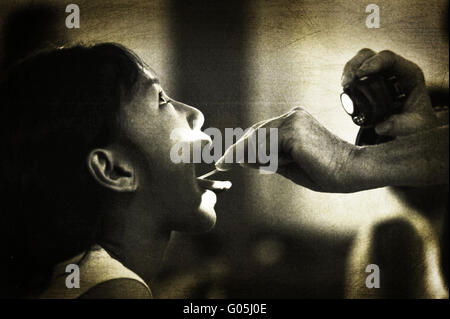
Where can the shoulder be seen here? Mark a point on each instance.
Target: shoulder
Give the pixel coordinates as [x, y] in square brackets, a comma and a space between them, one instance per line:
[98, 276]
[121, 288]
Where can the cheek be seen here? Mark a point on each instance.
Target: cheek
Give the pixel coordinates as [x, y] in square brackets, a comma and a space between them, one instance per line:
[180, 188]
[173, 182]
[153, 141]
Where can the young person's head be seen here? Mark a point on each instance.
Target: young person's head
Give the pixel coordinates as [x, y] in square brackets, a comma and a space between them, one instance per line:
[86, 132]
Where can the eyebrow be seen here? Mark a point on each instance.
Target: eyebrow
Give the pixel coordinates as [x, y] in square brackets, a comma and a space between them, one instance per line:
[150, 77]
[152, 81]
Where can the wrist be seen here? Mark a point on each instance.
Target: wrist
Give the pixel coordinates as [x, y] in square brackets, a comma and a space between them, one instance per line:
[356, 172]
[346, 174]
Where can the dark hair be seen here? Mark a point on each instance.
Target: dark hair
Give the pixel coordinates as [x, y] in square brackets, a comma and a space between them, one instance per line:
[55, 107]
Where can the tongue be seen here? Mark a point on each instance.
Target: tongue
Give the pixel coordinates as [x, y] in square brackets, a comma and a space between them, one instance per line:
[216, 186]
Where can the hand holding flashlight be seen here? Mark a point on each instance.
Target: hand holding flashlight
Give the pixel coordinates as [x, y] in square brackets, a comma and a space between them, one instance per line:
[313, 157]
[398, 87]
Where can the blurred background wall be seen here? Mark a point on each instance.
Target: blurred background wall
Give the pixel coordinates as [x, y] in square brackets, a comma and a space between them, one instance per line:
[241, 62]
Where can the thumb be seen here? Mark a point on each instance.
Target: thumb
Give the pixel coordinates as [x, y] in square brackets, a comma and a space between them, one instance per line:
[400, 124]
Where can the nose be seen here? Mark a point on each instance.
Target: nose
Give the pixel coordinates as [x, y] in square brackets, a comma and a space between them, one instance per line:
[195, 119]
[194, 116]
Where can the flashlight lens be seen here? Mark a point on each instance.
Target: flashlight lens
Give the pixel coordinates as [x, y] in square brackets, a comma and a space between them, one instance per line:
[347, 103]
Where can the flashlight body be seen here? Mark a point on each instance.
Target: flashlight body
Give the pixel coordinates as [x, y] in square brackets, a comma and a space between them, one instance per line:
[374, 99]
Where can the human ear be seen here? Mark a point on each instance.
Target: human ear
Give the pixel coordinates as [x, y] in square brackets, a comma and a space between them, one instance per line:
[111, 170]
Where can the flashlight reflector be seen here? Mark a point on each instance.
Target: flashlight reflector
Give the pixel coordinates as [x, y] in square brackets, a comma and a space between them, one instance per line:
[347, 103]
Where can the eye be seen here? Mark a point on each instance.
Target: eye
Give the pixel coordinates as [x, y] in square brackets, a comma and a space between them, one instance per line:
[163, 99]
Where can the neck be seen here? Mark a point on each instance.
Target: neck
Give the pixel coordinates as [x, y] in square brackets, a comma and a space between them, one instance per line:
[134, 237]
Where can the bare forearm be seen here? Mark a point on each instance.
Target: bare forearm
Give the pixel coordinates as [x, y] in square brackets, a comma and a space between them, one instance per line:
[414, 160]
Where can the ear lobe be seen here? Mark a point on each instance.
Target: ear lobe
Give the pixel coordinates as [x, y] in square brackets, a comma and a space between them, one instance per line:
[111, 171]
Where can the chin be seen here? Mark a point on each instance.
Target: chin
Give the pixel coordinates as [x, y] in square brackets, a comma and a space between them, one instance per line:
[198, 214]
[207, 212]
[202, 218]
[204, 224]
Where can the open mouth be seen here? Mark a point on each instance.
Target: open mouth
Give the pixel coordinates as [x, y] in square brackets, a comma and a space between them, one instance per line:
[212, 185]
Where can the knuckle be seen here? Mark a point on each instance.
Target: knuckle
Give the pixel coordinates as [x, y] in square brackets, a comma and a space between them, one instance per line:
[388, 54]
[290, 123]
[347, 67]
[297, 109]
[298, 114]
[418, 71]
[365, 51]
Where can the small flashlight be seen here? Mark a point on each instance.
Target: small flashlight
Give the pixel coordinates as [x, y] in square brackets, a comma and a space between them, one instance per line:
[372, 99]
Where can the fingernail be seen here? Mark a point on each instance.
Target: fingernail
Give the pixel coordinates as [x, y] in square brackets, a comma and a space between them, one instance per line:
[384, 127]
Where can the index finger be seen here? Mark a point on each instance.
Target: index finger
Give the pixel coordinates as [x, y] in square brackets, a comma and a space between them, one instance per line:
[226, 161]
[350, 68]
[378, 63]
[408, 73]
